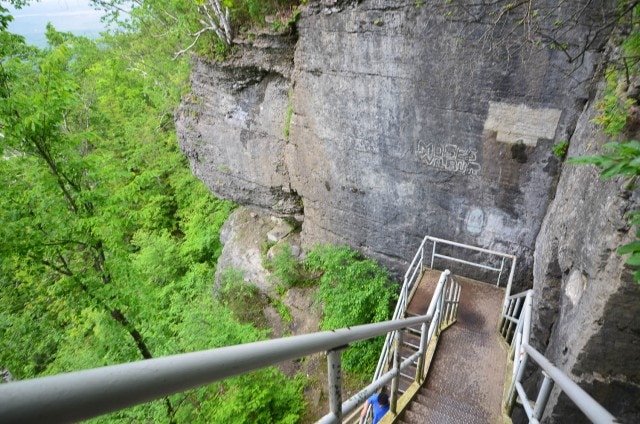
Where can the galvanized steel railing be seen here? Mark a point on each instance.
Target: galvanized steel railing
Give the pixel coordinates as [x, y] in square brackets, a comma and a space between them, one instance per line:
[85, 394]
[438, 311]
[486, 266]
[444, 309]
[414, 272]
[519, 315]
[510, 317]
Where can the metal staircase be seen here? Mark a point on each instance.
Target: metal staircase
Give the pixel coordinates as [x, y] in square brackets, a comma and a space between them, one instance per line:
[443, 360]
[466, 377]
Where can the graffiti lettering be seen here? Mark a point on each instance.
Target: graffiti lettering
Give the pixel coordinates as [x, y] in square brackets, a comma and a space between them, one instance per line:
[449, 157]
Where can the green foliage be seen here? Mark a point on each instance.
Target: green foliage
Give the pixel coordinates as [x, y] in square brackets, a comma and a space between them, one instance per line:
[631, 43]
[282, 309]
[243, 299]
[255, 11]
[266, 396]
[560, 149]
[623, 160]
[264, 249]
[100, 217]
[614, 107]
[286, 20]
[353, 291]
[286, 269]
[288, 116]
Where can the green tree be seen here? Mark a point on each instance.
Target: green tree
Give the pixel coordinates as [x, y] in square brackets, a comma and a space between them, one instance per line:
[109, 243]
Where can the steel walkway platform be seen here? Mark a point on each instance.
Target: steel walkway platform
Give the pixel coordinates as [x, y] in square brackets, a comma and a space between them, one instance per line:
[466, 379]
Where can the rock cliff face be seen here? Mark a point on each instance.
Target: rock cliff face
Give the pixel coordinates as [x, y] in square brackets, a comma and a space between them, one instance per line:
[587, 301]
[231, 125]
[406, 121]
[381, 121]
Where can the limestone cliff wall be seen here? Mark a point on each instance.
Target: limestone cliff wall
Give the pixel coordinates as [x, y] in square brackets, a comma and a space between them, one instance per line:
[231, 126]
[406, 121]
[587, 303]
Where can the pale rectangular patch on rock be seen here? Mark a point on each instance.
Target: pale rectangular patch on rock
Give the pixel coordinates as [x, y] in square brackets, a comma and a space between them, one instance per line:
[520, 123]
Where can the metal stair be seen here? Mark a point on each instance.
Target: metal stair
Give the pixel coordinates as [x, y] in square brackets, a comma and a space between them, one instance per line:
[462, 360]
[465, 381]
[432, 407]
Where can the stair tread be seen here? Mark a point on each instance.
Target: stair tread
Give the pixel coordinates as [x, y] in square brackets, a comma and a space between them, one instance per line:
[438, 417]
[427, 401]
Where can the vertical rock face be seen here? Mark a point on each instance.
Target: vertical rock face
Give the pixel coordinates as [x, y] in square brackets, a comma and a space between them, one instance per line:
[406, 123]
[587, 304]
[231, 125]
[406, 120]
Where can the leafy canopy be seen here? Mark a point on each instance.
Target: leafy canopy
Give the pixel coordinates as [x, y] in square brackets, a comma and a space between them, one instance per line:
[109, 243]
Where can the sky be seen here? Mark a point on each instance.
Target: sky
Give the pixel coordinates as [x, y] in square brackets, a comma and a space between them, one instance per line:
[75, 16]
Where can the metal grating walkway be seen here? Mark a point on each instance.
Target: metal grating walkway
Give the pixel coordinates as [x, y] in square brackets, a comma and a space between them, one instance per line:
[466, 378]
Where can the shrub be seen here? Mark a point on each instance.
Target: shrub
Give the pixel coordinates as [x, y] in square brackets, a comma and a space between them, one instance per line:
[353, 291]
[286, 268]
[560, 149]
[614, 108]
[243, 299]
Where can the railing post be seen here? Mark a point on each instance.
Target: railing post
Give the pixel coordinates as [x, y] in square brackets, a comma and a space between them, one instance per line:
[450, 298]
[511, 398]
[500, 273]
[457, 300]
[423, 348]
[433, 253]
[503, 320]
[543, 396]
[516, 358]
[334, 365]
[517, 311]
[433, 326]
[405, 295]
[396, 367]
[441, 307]
[507, 290]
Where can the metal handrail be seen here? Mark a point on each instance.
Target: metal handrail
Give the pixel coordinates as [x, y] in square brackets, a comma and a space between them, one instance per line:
[85, 394]
[522, 351]
[410, 278]
[444, 309]
[510, 314]
[414, 271]
[512, 258]
[434, 255]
